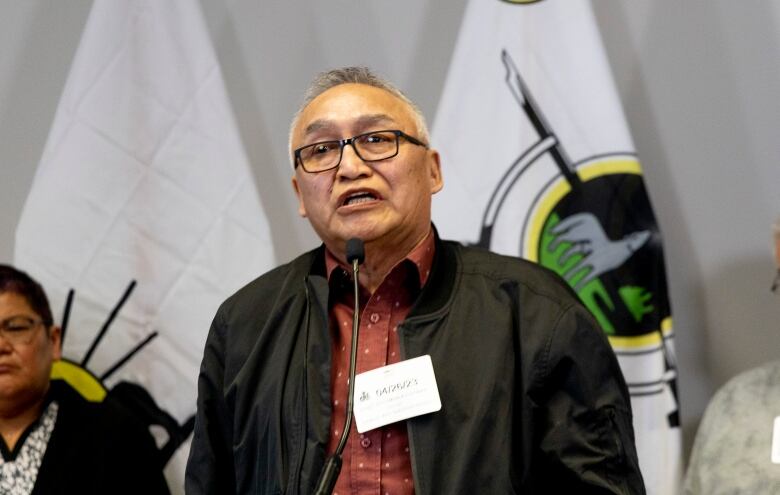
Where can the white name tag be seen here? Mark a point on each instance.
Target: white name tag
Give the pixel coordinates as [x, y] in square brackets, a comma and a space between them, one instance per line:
[395, 392]
[776, 442]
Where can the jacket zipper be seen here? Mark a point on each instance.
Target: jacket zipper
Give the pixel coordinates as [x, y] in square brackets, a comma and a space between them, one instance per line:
[409, 430]
[296, 475]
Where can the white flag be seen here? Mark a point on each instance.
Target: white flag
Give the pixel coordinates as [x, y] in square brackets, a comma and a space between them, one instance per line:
[538, 162]
[144, 178]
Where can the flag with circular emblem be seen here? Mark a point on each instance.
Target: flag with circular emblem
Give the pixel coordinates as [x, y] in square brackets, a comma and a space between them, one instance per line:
[144, 204]
[539, 163]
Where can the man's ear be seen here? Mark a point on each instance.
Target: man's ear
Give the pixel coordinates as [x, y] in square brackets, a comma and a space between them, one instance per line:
[299, 195]
[434, 163]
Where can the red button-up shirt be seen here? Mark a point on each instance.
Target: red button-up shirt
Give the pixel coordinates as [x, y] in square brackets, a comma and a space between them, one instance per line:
[377, 461]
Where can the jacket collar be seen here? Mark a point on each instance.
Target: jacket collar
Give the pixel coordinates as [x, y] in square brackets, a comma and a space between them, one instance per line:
[435, 295]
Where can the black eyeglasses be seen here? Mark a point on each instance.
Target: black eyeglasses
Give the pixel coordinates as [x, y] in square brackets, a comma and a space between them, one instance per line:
[369, 147]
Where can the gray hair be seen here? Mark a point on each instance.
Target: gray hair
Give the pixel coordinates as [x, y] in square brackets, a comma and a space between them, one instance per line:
[356, 75]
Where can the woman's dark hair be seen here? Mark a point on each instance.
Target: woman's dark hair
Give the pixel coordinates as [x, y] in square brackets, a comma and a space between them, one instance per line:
[18, 282]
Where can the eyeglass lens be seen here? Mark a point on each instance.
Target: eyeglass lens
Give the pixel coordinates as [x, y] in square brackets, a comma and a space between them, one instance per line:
[369, 147]
[18, 329]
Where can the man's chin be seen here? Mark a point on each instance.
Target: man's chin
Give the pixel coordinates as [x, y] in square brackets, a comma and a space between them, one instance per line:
[364, 232]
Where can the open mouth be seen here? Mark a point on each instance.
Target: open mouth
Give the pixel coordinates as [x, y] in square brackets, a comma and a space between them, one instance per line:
[359, 198]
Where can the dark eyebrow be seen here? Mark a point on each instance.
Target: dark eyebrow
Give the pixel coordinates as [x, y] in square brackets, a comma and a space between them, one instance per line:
[13, 317]
[317, 125]
[363, 122]
[366, 121]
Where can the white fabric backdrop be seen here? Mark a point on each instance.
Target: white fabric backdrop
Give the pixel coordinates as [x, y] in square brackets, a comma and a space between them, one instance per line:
[144, 178]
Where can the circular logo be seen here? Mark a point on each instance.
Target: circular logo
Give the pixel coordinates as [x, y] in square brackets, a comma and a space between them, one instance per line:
[601, 236]
[597, 232]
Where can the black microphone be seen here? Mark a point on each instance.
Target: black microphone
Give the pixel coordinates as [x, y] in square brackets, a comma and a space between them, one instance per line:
[356, 254]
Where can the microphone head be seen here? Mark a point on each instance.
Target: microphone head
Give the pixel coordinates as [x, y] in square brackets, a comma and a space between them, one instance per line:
[355, 250]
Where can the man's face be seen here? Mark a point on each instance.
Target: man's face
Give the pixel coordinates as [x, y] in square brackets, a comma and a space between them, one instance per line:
[25, 368]
[395, 209]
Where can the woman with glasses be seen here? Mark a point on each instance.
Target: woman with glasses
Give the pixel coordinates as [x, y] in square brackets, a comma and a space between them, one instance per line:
[54, 440]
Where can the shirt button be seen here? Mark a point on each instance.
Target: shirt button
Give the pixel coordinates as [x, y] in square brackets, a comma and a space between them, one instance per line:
[374, 317]
[365, 443]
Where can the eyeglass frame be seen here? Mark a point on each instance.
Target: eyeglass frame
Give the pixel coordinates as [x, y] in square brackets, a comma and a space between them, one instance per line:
[351, 141]
[34, 323]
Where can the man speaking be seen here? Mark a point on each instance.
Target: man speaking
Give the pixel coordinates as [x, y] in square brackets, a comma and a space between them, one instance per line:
[476, 373]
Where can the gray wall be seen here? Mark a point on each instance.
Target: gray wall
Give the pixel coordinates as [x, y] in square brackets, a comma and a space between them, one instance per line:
[699, 82]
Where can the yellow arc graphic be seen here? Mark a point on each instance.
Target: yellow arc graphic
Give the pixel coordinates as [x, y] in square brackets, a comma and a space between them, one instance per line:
[84, 382]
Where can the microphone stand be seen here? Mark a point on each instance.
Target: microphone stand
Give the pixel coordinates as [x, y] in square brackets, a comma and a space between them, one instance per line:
[330, 472]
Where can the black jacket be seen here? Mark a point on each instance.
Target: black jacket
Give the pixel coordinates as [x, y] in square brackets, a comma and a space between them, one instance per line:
[533, 400]
[97, 448]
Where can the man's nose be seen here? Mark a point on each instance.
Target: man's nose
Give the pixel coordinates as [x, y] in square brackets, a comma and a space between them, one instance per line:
[352, 166]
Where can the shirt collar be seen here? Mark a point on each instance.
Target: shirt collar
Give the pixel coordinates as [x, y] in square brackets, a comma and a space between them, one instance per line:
[421, 257]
